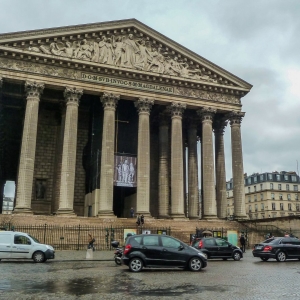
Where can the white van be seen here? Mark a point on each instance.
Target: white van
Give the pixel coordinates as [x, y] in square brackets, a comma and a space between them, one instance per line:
[22, 245]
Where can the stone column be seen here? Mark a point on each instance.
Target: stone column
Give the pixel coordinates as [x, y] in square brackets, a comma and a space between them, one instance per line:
[163, 184]
[219, 127]
[177, 180]
[109, 102]
[68, 166]
[143, 106]
[237, 165]
[27, 157]
[193, 190]
[208, 174]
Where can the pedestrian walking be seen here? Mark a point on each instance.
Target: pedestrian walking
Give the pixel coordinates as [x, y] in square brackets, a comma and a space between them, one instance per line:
[131, 212]
[90, 247]
[243, 243]
[138, 220]
[142, 220]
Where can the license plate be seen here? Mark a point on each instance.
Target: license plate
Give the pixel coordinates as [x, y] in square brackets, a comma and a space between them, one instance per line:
[258, 247]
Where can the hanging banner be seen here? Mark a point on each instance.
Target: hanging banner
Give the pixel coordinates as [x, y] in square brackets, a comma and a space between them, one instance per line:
[125, 171]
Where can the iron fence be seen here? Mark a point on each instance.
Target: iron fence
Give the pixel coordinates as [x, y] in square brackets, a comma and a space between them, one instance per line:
[75, 237]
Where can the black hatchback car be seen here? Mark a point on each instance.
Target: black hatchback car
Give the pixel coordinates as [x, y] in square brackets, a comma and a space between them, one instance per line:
[217, 248]
[155, 250]
[280, 248]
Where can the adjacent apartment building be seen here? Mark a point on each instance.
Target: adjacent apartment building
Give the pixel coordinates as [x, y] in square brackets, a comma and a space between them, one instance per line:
[268, 195]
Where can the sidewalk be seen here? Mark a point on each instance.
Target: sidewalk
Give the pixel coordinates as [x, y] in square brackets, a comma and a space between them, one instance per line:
[73, 255]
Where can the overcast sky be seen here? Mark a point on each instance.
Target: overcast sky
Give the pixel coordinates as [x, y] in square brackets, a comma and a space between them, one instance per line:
[257, 41]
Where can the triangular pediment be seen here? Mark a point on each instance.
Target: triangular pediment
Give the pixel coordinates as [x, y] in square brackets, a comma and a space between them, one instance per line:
[121, 45]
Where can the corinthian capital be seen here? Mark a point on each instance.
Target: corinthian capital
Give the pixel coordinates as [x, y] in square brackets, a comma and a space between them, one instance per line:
[220, 124]
[34, 89]
[235, 117]
[72, 95]
[109, 100]
[144, 105]
[206, 113]
[176, 109]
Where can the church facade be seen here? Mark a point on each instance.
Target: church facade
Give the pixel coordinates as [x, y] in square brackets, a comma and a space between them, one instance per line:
[99, 118]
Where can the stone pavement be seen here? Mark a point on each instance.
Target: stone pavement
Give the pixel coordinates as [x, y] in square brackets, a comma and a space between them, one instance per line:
[80, 255]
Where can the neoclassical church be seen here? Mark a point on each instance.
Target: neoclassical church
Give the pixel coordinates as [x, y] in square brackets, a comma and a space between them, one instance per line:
[98, 118]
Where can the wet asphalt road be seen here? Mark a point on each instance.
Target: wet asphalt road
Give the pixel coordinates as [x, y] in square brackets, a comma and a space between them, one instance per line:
[62, 279]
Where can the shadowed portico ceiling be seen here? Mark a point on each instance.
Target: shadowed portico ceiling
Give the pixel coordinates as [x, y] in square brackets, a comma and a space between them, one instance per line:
[125, 49]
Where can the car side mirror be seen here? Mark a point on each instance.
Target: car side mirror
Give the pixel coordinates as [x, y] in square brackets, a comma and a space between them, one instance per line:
[181, 247]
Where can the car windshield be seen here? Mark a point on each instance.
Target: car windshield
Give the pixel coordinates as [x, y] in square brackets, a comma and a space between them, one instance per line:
[37, 241]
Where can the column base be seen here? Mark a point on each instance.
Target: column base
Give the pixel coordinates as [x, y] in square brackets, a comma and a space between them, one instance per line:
[23, 210]
[164, 217]
[210, 218]
[194, 218]
[145, 213]
[64, 212]
[106, 214]
[180, 217]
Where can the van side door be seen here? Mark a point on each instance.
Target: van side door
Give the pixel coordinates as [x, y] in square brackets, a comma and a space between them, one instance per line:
[21, 246]
[5, 245]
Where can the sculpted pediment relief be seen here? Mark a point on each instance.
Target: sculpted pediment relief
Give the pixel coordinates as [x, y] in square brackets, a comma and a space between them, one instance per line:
[128, 52]
[127, 44]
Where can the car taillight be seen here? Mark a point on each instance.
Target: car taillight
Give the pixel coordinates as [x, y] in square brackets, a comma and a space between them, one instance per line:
[200, 244]
[127, 248]
[267, 248]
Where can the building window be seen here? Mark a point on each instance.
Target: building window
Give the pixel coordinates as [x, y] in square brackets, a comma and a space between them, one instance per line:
[271, 186]
[254, 188]
[261, 177]
[273, 206]
[286, 177]
[261, 196]
[261, 186]
[297, 207]
[296, 197]
[262, 206]
[262, 216]
[250, 209]
[279, 186]
[278, 177]
[256, 208]
[249, 198]
[273, 196]
[249, 190]
[290, 206]
[227, 194]
[281, 206]
[287, 187]
[295, 187]
[270, 176]
[280, 197]
[255, 179]
[255, 198]
[249, 180]
[294, 178]
[289, 196]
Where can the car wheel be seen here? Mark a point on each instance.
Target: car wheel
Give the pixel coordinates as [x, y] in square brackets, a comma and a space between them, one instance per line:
[236, 255]
[136, 264]
[264, 258]
[195, 264]
[38, 257]
[281, 256]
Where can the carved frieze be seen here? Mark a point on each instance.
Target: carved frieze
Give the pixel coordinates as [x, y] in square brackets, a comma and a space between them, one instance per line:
[126, 51]
[38, 68]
